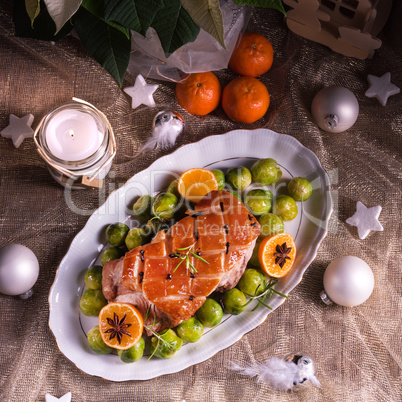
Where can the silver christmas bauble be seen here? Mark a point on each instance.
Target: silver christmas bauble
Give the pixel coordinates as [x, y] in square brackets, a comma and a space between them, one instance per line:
[335, 109]
[19, 270]
[348, 281]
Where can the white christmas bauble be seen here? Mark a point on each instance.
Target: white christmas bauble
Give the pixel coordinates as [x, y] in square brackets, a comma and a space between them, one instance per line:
[348, 281]
[19, 270]
[335, 109]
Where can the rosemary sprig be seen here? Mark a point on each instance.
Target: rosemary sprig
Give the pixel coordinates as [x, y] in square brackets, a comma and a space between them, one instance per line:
[186, 258]
[268, 292]
[160, 339]
[199, 257]
[149, 328]
[147, 315]
[178, 265]
[185, 248]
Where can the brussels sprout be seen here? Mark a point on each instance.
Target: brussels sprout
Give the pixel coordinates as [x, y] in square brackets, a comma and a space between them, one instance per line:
[116, 233]
[285, 207]
[210, 313]
[254, 261]
[92, 302]
[93, 277]
[270, 224]
[238, 178]
[142, 208]
[132, 354]
[96, 343]
[234, 301]
[252, 282]
[266, 171]
[220, 177]
[172, 189]
[167, 346]
[278, 175]
[136, 237]
[191, 330]
[258, 201]
[165, 206]
[300, 188]
[110, 254]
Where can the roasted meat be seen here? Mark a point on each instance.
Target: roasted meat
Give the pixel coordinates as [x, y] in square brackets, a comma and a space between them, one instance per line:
[167, 274]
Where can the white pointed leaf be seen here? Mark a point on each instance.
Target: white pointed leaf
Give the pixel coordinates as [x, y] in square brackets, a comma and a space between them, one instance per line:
[62, 10]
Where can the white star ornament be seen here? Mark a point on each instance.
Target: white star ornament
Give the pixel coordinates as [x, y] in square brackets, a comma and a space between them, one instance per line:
[64, 398]
[366, 219]
[141, 93]
[19, 129]
[381, 88]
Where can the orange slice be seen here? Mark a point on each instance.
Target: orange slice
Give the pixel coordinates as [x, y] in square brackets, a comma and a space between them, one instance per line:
[120, 325]
[277, 254]
[195, 183]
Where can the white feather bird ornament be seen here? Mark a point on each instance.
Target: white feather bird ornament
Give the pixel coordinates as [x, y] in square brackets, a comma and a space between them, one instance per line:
[282, 374]
[167, 125]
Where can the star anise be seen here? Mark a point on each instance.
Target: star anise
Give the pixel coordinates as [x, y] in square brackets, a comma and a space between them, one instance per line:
[281, 254]
[118, 328]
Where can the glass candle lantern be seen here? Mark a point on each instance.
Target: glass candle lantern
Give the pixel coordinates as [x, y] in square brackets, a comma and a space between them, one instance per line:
[77, 143]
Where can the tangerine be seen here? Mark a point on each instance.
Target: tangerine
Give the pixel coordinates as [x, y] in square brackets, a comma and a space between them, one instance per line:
[194, 183]
[253, 55]
[245, 99]
[199, 94]
[277, 254]
[120, 325]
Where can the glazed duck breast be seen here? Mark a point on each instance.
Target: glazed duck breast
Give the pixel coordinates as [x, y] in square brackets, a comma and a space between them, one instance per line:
[220, 230]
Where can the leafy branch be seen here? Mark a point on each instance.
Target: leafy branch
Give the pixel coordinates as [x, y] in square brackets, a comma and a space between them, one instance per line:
[267, 293]
[104, 27]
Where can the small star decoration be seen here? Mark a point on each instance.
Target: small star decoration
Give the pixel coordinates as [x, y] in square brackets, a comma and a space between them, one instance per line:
[18, 129]
[141, 92]
[366, 219]
[64, 398]
[381, 88]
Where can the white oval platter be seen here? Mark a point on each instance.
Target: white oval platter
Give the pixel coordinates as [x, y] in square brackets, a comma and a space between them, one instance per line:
[239, 147]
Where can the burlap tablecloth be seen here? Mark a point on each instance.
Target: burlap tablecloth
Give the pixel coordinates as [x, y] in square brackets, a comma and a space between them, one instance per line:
[357, 350]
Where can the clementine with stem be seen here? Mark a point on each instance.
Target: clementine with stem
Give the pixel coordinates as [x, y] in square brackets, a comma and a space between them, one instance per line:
[245, 99]
[253, 55]
[199, 94]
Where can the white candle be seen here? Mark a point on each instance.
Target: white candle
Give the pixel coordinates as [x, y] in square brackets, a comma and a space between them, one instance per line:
[72, 135]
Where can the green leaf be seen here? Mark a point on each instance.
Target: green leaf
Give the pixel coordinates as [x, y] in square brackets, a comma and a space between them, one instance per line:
[174, 26]
[33, 9]
[275, 4]
[207, 15]
[62, 10]
[97, 8]
[136, 15]
[108, 45]
[43, 27]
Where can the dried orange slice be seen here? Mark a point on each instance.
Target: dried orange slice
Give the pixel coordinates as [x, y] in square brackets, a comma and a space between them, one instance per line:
[120, 325]
[277, 254]
[195, 183]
